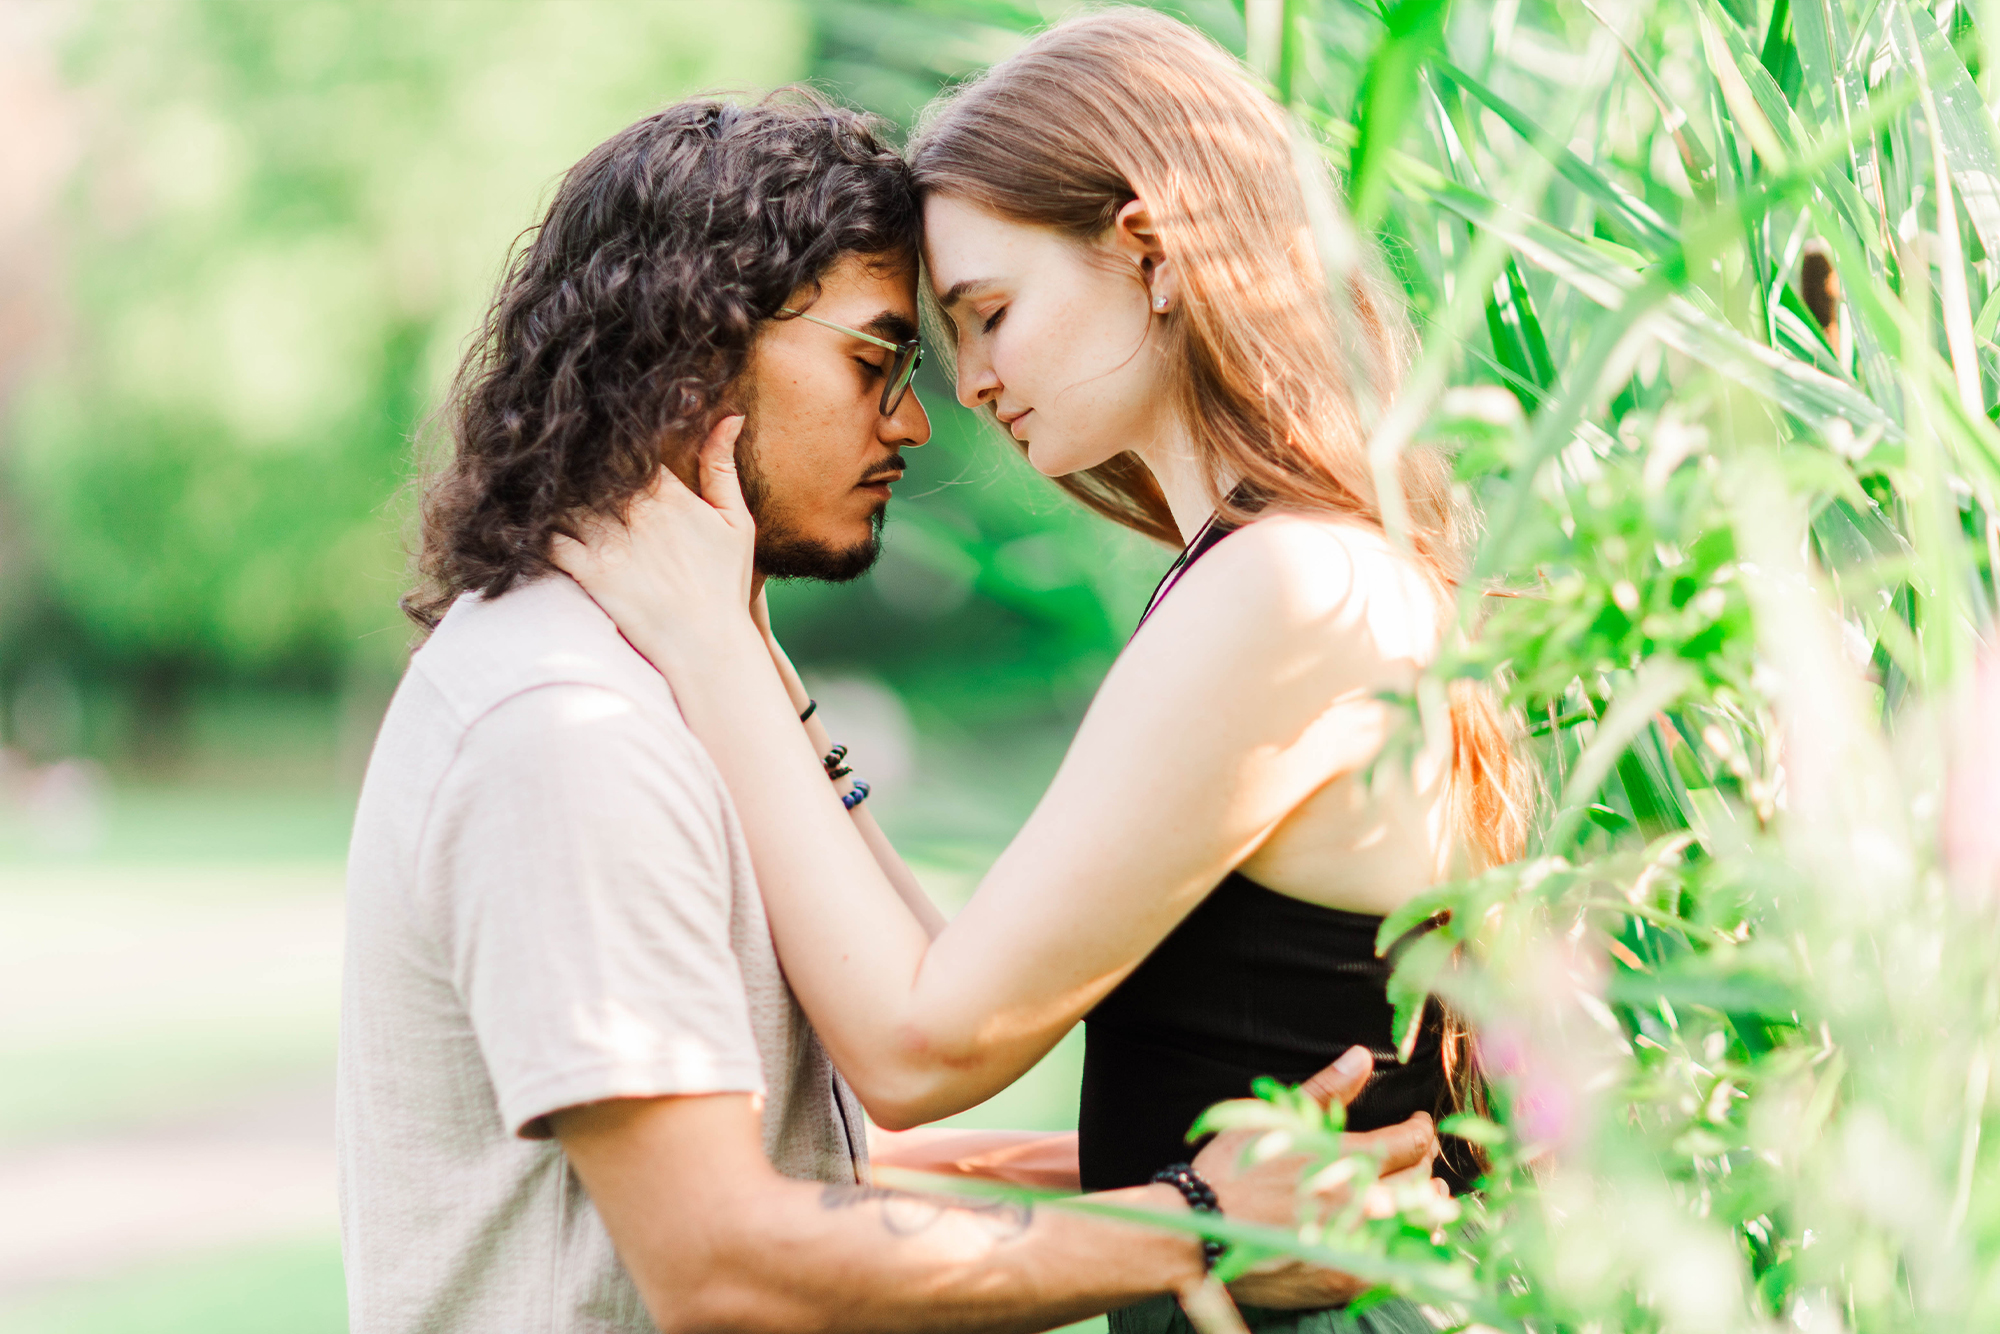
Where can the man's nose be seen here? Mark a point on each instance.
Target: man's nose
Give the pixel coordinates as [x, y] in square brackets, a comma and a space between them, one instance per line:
[909, 425]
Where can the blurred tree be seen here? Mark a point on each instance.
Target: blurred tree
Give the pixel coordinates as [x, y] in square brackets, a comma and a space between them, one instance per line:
[285, 222]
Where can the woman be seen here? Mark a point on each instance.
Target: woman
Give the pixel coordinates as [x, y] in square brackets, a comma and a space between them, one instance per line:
[1118, 239]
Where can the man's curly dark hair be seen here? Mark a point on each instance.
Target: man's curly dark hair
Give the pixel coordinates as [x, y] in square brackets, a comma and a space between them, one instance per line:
[629, 312]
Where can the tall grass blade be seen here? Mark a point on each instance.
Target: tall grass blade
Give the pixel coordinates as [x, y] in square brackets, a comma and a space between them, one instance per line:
[1651, 230]
[1389, 95]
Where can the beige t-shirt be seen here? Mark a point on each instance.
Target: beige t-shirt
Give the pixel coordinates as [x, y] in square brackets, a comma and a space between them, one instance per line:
[549, 904]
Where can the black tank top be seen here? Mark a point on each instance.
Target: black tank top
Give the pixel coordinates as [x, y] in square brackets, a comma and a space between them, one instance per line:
[1252, 982]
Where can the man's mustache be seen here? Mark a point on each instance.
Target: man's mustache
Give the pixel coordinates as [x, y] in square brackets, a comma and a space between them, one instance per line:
[888, 468]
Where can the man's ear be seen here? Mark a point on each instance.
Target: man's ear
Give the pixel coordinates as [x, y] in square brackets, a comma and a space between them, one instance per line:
[678, 456]
[1135, 234]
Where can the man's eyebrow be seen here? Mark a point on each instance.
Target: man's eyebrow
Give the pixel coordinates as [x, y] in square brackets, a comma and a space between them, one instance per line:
[892, 325]
[957, 291]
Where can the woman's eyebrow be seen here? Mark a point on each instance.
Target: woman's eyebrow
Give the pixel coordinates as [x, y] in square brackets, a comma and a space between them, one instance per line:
[957, 291]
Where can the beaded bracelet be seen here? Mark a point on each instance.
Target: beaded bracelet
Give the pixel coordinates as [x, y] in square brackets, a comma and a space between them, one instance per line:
[832, 763]
[1201, 1198]
[836, 771]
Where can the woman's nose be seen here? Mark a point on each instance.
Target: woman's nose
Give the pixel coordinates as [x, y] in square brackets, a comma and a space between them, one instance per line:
[976, 381]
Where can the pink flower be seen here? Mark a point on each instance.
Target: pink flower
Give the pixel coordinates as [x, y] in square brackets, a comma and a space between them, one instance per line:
[1971, 824]
[1550, 1047]
[1544, 1111]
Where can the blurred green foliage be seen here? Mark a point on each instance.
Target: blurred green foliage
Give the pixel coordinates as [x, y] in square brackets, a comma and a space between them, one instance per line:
[285, 221]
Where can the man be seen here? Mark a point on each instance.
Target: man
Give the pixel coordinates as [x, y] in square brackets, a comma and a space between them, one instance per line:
[566, 1041]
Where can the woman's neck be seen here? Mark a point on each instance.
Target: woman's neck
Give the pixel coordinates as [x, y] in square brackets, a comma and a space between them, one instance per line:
[1190, 491]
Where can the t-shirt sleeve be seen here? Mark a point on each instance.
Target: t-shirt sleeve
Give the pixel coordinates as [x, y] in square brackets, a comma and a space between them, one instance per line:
[582, 873]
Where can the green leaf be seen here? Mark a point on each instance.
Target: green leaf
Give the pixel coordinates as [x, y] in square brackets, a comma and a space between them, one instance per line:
[1518, 344]
[1446, 1281]
[1728, 993]
[1756, 102]
[1988, 318]
[1417, 911]
[1820, 38]
[1635, 215]
[1967, 136]
[1810, 394]
[1389, 96]
[1477, 1129]
[1799, 333]
[1778, 58]
[1410, 985]
[1695, 157]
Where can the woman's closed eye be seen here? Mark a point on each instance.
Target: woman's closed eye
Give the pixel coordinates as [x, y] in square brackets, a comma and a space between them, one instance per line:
[993, 320]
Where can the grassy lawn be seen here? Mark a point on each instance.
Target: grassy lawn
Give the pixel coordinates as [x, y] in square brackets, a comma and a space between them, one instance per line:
[294, 1287]
[136, 992]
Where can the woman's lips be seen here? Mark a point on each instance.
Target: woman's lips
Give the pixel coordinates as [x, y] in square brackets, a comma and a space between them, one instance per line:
[1014, 426]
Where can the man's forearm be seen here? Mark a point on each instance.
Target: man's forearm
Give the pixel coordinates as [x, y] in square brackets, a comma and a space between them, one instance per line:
[716, 1240]
[803, 1256]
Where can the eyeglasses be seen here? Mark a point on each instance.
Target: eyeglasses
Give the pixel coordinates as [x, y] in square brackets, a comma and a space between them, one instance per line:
[903, 362]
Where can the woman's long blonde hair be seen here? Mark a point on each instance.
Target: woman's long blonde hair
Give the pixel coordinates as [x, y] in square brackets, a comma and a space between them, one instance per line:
[1284, 367]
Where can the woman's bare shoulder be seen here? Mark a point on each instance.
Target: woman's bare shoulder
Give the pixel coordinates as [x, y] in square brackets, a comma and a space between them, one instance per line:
[1308, 534]
[1303, 573]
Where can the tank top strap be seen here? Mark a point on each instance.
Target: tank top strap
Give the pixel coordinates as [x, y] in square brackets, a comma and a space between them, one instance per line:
[1204, 541]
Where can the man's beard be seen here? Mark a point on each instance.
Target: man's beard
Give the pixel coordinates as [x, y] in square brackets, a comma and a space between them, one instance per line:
[783, 552]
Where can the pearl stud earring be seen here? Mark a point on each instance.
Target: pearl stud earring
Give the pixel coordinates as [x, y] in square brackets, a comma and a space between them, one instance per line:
[1159, 303]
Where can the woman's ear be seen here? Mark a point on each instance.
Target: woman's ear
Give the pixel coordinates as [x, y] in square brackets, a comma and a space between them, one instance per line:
[1135, 235]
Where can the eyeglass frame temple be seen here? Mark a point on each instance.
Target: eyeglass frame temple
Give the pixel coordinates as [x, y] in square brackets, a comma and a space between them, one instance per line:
[841, 328]
[909, 375]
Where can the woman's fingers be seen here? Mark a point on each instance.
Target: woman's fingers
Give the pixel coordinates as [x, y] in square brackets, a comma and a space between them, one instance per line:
[716, 466]
[675, 545]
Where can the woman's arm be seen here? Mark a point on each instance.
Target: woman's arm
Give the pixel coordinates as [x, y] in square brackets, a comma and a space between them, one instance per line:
[1252, 687]
[906, 883]
[1044, 1159]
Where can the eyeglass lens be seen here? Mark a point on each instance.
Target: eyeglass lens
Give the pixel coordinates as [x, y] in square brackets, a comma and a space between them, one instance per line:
[908, 358]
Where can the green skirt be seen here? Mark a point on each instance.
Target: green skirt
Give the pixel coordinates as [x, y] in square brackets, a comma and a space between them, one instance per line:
[1163, 1315]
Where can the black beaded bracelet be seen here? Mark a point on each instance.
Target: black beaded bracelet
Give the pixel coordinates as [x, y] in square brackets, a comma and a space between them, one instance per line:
[832, 763]
[1201, 1198]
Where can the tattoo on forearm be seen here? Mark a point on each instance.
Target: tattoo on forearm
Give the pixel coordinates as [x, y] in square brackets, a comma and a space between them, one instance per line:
[905, 1215]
